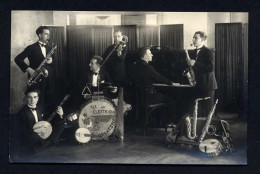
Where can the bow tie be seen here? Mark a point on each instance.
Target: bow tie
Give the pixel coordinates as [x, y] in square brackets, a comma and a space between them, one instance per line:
[198, 49]
[33, 109]
[42, 45]
[95, 73]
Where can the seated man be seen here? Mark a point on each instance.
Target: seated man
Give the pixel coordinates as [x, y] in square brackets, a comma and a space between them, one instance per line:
[31, 114]
[98, 81]
[144, 76]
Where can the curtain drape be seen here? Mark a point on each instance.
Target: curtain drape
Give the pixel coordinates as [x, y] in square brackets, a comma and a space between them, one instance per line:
[244, 105]
[102, 39]
[171, 36]
[148, 36]
[131, 32]
[57, 72]
[229, 65]
[80, 50]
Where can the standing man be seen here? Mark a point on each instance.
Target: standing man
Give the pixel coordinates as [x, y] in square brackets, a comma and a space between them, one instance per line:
[30, 114]
[115, 66]
[36, 53]
[203, 62]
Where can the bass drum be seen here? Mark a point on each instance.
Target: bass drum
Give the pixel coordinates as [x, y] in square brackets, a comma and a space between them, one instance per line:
[99, 117]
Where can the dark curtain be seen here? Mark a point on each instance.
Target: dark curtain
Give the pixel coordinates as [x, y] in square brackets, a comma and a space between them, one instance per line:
[102, 39]
[79, 46]
[57, 71]
[131, 32]
[229, 65]
[148, 36]
[171, 36]
[244, 94]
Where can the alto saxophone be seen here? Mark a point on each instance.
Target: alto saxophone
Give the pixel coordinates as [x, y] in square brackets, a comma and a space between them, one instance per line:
[40, 71]
[195, 116]
[206, 127]
[188, 72]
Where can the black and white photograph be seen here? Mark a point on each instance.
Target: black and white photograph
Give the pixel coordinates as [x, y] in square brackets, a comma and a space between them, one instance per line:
[128, 87]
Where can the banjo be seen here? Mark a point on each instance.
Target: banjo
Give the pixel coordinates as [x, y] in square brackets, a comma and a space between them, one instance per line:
[44, 128]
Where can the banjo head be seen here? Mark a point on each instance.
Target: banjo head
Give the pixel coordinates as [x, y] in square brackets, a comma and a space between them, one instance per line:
[82, 135]
[43, 129]
[211, 146]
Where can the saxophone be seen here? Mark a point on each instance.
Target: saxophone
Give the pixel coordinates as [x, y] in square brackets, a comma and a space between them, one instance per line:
[195, 116]
[188, 72]
[40, 71]
[206, 127]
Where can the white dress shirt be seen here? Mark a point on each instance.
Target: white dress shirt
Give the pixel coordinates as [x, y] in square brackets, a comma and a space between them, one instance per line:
[43, 48]
[34, 113]
[95, 79]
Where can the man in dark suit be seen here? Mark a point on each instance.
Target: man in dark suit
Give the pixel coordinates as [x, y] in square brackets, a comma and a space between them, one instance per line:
[144, 75]
[31, 114]
[115, 66]
[115, 63]
[98, 79]
[36, 53]
[203, 62]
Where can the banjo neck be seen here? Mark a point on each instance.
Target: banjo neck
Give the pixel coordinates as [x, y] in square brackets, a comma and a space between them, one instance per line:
[54, 112]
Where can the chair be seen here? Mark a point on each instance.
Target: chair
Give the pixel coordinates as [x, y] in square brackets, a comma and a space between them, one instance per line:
[142, 104]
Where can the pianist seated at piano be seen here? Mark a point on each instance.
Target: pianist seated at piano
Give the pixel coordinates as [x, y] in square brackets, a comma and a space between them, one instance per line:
[143, 76]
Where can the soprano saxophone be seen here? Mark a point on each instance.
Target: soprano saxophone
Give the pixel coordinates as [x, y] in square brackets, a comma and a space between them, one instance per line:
[195, 116]
[188, 72]
[206, 127]
[40, 71]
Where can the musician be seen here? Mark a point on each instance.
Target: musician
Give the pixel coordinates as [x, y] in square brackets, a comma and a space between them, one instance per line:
[36, 53]
[144, 76]
[115, 65]
[98, 79]
[203, 62]
[30, 114]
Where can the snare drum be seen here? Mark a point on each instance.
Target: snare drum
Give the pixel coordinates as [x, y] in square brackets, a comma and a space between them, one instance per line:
[101, 115]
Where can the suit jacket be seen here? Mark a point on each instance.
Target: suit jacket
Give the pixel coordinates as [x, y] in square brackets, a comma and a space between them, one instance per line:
[34, 54]
[145, 75]
[204, 69]
[115, 64]
[27, 120]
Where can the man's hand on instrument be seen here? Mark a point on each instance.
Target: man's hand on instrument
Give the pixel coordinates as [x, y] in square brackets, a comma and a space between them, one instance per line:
[30, 71]
[191, 62]
[119, 50]
[60, 111]
[49, 60]
[176, 84]
[113, 89]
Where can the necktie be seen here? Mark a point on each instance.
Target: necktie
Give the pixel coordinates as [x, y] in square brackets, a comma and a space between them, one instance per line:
[33, 109]
[197, 52]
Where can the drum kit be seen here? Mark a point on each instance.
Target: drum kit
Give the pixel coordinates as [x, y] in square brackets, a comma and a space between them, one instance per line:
[96, 118]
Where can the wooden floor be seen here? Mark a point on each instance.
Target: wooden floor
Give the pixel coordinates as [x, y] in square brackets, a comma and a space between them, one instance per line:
[137, 149]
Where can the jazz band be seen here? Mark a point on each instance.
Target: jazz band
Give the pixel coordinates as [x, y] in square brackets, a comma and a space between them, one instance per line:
[98, 115]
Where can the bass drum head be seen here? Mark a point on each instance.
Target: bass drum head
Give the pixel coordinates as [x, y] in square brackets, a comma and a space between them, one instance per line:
[82, 135]
[99, 117]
